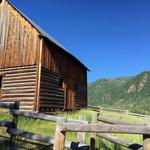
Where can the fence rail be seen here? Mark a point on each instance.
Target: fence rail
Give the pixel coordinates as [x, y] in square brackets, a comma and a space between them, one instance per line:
[121, 142]
[42, 116]
[68, 125]
[7, 105]
[115, 121]
[101, 109]
[102, 130]
[6, 124]
[105, 128]
[13, 131]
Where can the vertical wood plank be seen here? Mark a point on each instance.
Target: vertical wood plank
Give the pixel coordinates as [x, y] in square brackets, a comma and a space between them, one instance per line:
[65, 95]
[38, 85]
[93, 135]
[59, 142]
[146, 140]
[146, 143]
[81, 135]
[14, 121]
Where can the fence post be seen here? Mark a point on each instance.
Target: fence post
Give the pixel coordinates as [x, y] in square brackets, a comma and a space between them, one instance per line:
[100, 109]
[93, 135]
[59, 142]
[146, 138]
[146, 143]
[14, 122]
[81, 135]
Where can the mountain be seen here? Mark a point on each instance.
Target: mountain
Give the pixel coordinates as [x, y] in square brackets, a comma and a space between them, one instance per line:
[132, 93]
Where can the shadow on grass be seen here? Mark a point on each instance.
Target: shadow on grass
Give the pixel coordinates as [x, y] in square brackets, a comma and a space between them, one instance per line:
[22, 145]
[106, 145]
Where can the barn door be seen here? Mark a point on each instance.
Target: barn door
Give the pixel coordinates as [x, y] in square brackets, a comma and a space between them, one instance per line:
[69, 95]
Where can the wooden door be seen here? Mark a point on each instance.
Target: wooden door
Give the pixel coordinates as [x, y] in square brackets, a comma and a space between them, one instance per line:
[69, 92]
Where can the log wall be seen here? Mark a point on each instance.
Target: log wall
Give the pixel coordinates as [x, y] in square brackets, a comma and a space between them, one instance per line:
[51, 95]
[19, 84]
[81, 96]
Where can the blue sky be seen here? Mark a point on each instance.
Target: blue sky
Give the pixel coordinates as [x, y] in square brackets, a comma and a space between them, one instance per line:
[111, 37]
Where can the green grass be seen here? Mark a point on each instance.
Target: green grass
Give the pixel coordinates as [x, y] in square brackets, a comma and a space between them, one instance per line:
[46, 128]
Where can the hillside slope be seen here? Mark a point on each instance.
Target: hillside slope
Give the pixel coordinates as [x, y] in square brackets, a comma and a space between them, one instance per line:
[131, 93]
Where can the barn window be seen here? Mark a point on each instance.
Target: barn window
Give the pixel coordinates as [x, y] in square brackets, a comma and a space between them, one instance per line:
[61, 83]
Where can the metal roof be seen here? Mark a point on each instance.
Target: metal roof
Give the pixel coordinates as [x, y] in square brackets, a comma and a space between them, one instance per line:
[46, 35]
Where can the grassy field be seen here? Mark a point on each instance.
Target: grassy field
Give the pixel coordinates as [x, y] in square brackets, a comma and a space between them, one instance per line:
[46, 128]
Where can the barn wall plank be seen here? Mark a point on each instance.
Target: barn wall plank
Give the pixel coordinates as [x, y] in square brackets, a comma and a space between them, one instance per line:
[75, 75]
[18, 39]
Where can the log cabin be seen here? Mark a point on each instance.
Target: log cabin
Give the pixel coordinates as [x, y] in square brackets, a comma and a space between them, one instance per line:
[36, 69]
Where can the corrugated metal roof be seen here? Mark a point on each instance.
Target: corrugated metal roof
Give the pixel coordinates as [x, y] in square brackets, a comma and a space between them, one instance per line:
[46, 35]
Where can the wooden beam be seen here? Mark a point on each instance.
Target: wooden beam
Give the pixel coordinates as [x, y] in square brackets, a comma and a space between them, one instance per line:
[81, 135]
[121, 142]
[43, 116]
[14, 122]
[59, 137]
[35, 115]
[6, 124]
[9, 105]
[146, 138]
[38, 79]
[32, 136]
[115, 121]
[93, 135]
[146, 142]
[40, 138]
[105, 128]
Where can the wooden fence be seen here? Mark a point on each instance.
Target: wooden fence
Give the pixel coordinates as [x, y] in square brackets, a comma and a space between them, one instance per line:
[68, 125]
[101, 109]
[13, 131]
[102, 130]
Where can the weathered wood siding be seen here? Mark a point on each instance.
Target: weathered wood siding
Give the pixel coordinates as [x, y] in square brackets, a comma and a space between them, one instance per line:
[59, 61]
[19, 84]
[51, 95]
[19, 41]
[21, 46]
[81, 95]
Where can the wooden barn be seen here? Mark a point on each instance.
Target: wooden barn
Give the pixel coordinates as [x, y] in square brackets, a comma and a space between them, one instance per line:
[35, 68]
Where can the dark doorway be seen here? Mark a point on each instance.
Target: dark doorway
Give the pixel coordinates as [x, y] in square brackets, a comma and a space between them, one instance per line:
[1, 81]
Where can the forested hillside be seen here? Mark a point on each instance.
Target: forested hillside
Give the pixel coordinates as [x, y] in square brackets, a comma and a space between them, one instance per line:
[131, 93]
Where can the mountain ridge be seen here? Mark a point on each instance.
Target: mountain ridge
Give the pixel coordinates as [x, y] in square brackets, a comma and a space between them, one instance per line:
[131, 93]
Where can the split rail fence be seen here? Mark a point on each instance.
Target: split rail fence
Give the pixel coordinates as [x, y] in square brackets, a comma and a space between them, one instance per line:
[68, 125]
[13, 131]
[103, 130]
[101, 109]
